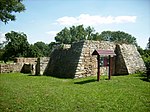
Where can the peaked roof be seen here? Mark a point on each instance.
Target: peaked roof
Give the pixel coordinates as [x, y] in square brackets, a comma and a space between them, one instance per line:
[103, 52]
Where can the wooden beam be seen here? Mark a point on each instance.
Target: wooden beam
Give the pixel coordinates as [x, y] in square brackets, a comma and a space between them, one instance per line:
[98, 67]
[110, 67]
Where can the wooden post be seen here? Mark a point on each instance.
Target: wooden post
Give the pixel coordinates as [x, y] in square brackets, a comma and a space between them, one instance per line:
[110, 67]
[98, 67]
[37, 72]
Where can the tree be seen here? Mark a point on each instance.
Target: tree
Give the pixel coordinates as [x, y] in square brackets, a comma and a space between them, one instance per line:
[74, 34]
[51, 46]
[63, 36]
[7, 9]
[81, 33]
[77, 33]
[17, 45]
[106, 36]
[42, 48]
[34, 51]
[148, 44]
[89, 31]
[140, 50]
[146, 58]
[2, 51]
[118, 37]
[122, 37]
[96, 36]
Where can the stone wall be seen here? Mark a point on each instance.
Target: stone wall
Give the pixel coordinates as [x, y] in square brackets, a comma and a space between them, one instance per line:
[130, 58]
[120, 68]
[87, 64]
[25, 65]
[77, 61]
[25, 60]
[41, 65]
[64, 61]
[8, 68]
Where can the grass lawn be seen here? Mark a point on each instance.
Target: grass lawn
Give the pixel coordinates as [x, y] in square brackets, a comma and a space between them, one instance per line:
[23, 93]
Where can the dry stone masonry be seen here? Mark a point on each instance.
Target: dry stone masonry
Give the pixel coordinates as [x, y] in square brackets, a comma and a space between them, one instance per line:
[18, 65]
[77, 61]
[26, 65]
[130, 60]
[8, 68]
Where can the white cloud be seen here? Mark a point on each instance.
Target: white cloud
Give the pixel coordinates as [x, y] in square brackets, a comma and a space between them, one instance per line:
[125, 19]
[67, 20]
[87, 19]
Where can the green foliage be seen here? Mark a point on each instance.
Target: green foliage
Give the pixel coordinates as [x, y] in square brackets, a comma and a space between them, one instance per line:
[106, 35]
[63, 36]
[146, 58]
[7, 9]
[22, 93]
[42, 48]
[51, 46]
[74, 34]
[2, 51]
[34, 51]
[118, 37]
[140, 50]
[17, 45]
[77, 33]
[96, 37]
[148, 44]
[89, 32]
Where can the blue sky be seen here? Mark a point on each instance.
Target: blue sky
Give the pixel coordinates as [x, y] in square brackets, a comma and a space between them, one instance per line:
[42, 19]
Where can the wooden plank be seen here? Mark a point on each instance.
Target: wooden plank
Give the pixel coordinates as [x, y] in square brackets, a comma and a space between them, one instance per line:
[98, 67]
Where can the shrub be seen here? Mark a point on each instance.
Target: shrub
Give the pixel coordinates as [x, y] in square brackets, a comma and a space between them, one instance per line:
[146, 58]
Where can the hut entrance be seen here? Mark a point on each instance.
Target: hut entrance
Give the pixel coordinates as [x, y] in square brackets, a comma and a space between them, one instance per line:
[104, 58]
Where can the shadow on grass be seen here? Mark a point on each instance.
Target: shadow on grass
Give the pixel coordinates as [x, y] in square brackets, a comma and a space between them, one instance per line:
[86, 81]
[48, 76]
[34, 75]
[145, 79]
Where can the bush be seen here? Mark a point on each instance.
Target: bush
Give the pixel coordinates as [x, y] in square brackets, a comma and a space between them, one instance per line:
[146, 58]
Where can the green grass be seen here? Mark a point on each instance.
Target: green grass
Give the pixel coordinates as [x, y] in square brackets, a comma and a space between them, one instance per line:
[23, 93]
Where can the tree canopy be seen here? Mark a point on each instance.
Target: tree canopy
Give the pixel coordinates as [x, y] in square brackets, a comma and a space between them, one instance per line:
[7, 9]
[34, 51]
[17, 45]
[73, 34]
[118, 37]
[43, 48]
[77, 33]
[148, 44]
